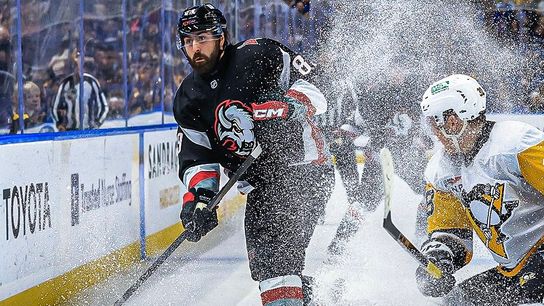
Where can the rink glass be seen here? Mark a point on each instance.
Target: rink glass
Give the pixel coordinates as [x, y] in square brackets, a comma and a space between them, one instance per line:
[121, 45]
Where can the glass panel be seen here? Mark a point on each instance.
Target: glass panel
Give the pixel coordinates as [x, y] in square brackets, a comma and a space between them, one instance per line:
[246, 19]
[138, 80]
[175, 67]
[179, 6]
[144, 48]
[103, 64]
[49, 35]
[7, 57]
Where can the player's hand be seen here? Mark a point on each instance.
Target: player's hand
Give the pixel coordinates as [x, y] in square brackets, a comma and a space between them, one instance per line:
[442, 257]
[195, 216]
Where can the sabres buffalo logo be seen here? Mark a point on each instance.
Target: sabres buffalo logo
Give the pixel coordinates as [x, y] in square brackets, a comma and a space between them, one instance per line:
[234, 127]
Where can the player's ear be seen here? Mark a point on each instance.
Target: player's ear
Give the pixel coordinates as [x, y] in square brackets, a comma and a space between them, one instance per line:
[222, 42]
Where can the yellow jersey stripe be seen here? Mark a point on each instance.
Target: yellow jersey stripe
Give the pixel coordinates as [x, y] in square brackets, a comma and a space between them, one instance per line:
[531, 165]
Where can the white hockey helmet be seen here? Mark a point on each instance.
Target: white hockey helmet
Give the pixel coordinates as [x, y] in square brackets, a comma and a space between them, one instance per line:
[459, 93]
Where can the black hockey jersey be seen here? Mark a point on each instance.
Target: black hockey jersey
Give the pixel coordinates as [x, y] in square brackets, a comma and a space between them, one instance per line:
[259, 92]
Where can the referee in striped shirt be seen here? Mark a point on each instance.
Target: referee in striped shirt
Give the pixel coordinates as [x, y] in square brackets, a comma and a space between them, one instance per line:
[67, 105]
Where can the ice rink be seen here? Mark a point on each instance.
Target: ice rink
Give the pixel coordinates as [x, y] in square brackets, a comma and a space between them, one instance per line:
[375, 270]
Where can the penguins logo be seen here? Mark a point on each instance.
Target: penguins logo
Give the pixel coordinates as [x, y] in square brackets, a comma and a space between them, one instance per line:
[489, 210]
[234, 127]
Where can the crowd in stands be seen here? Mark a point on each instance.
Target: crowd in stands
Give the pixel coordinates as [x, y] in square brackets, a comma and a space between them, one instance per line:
[520, 24]
[51, 34]
[302, 6]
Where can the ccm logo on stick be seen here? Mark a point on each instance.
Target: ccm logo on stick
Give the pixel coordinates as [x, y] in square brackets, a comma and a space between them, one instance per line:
[269, 110]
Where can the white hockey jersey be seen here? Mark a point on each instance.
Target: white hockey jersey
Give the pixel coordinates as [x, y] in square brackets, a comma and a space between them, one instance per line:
[500, 195]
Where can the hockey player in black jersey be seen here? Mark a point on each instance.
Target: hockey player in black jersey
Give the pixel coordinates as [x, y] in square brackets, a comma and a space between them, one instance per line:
[257, 91]
[342, 125]
[387, 115]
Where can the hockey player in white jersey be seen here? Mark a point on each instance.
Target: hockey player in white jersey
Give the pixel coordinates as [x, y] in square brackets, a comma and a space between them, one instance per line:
[488, 179]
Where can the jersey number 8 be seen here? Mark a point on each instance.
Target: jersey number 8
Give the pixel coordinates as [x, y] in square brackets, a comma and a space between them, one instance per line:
[300, 65]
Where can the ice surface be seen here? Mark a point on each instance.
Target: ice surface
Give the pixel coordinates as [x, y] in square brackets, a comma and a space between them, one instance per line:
[375, 269]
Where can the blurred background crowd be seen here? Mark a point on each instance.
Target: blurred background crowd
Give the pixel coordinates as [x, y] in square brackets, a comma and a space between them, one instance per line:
[129, 47]
[120, 44]
[520, 24]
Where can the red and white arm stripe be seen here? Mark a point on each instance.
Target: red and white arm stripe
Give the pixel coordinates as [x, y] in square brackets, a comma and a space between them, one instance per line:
[297, 95]
[202, 176]
[279, 296]
[315, 103]
[309, 95]
[274, 290]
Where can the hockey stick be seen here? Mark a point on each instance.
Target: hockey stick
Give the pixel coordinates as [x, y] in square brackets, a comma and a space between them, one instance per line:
[388, 174]
[215, 200]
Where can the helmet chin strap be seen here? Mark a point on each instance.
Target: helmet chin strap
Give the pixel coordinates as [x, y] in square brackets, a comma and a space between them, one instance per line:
[454, 138]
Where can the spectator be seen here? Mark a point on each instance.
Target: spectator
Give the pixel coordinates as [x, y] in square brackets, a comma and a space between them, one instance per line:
[33, 103]
[109, 31]
[34, 112]
[108, 64]
[108, 70]
[116, 108]
[302, 6]
[505, 22]
[145, 94]
[14, 120]
[537, 30]
[5, 13]
[59, 65]
[66, 107]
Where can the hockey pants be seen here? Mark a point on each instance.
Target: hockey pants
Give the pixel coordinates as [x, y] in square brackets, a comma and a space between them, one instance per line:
[492, 288]
[280, 218]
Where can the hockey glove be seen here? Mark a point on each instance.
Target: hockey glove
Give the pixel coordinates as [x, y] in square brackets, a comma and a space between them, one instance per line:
[195, 216]
[441, 255]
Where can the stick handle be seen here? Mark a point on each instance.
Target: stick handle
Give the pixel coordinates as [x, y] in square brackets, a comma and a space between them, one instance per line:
[236, 176]
[388, 170]
[159, 261]
[215, 200]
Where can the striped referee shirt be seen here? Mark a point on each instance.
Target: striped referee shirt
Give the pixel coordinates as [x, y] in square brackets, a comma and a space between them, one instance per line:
[66, 106]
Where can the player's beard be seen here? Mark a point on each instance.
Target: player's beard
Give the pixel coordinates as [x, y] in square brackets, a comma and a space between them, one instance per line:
[209, 62]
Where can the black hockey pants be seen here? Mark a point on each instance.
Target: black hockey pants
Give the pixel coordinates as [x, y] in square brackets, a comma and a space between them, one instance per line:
[492, 288]
[280, 218]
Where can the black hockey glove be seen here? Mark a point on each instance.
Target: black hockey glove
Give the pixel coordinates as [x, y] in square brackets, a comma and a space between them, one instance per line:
[441, 255]
[195, 216]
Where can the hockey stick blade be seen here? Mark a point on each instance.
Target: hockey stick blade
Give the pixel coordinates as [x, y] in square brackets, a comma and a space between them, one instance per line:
[214, 201]
[388, 175]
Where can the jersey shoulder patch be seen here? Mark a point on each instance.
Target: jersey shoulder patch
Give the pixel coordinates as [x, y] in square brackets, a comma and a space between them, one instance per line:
[249, 42]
